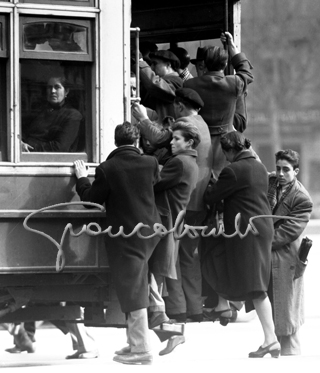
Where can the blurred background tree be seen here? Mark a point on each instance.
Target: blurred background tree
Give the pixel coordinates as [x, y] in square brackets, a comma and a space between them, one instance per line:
[281, 38]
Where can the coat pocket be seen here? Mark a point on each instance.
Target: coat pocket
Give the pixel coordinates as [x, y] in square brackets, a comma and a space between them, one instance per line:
[300, 268]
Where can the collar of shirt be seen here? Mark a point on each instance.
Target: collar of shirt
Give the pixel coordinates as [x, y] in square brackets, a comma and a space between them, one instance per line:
[185, 74]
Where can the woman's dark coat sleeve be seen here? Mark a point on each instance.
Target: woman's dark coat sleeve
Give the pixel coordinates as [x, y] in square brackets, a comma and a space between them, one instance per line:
[222, 188]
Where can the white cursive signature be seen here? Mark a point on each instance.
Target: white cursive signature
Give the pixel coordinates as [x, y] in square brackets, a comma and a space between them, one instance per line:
[158, 229]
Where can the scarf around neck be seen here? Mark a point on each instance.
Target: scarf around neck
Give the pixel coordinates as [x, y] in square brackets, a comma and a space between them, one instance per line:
[272, 192]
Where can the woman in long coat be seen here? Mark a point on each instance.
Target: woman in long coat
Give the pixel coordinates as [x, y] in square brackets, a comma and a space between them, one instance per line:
[124, 183]
[286, 285]
[239, 268]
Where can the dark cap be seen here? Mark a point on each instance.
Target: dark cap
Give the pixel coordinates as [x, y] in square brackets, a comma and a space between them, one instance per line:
[200, 55]
[166, 55]
[191, 96]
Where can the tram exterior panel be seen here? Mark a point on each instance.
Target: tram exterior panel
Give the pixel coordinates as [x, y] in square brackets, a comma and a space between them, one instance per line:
[99, 69]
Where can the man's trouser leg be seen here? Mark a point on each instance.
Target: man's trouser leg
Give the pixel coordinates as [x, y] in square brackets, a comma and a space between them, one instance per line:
[156, 302]
[82, 341]
[290, 344]
[138, 331]
[175, 301]
[190, 266]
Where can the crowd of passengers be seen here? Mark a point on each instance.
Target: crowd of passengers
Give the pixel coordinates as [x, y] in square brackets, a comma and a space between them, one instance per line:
[184, 150]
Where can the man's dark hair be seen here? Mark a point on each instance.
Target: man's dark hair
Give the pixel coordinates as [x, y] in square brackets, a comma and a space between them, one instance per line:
[126, 134]
[290, 156]
[183, 56]
[215, 58]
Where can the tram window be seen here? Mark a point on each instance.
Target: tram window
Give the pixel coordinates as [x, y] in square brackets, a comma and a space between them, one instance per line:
[55, 110]
[3, 114]
[56, 39]
[191, 47]
[3, 89]
[3, 44]
[61, 2]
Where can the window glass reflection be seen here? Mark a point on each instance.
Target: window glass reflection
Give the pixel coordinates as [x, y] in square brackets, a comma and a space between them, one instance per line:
[55, 36]
[53, 106]
[3, 110]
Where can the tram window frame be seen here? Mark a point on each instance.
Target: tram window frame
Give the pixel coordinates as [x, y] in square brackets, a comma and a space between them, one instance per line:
[57, 55]
[3, 37]
[89, 3]
[65, 61]
[4, 54]
[69, 69]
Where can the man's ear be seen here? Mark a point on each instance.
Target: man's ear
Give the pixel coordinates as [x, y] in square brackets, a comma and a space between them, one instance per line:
[296, 170]
[137, 143]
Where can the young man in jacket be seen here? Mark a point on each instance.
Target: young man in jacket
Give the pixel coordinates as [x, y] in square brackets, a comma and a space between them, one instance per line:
[287, 197]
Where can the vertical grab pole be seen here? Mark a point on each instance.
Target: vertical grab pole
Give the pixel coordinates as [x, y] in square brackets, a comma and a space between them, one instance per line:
[137, 72]
[137, 62]
[226, 23]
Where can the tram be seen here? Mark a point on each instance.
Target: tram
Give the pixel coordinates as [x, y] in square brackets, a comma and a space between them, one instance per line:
[89, 42]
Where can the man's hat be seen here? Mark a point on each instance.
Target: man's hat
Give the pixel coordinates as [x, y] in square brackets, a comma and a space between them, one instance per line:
[200, 55]
[191, 96]
[166, 55]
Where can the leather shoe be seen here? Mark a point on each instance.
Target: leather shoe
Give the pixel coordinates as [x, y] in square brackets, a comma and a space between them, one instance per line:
[275, 352]
[18, 349]
[178, 317]
[195, 318]
[83, 355]
[124, 351]
[144, 358]
[173, 342]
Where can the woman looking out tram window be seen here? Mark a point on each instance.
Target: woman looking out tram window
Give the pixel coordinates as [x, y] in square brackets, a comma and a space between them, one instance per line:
[56, 128]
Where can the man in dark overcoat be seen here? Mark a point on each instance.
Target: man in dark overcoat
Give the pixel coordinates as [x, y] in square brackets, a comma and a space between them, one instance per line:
[124, 183]
[221, 92]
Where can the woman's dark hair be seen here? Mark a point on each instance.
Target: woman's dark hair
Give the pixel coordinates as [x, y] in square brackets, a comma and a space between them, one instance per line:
[63, 80]
[290, 156]
[215, 58]
[189, 132]
[126, 134]
[234, 140]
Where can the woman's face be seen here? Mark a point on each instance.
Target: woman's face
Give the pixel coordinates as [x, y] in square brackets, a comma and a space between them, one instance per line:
[179, 143]
[56, 93]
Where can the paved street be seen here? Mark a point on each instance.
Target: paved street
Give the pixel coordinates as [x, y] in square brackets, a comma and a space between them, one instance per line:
[209, 346]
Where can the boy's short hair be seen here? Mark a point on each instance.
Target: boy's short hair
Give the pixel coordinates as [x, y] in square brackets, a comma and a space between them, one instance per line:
[126, 134]
[189, 132]
[290, 156]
